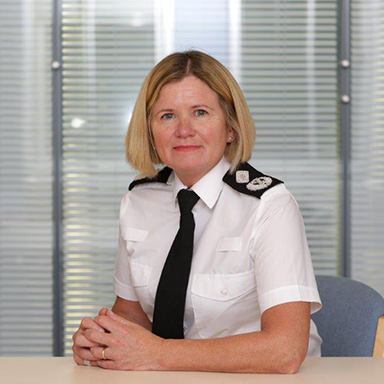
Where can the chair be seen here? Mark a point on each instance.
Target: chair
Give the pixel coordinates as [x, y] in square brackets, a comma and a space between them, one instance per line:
[351, 322]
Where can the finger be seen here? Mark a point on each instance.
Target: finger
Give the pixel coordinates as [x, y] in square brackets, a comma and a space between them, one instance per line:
[92, 363]
[108, 364]
[79, 361]
[87, 322]
[103, 311]
[81, 341]
[102, 338]
[112, 323]
[84, 353]
[98, 353]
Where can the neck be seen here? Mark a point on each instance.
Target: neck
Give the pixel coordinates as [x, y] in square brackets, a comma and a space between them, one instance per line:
[190, 180]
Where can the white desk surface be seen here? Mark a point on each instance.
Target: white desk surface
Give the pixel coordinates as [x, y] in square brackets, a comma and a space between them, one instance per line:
[60, 370]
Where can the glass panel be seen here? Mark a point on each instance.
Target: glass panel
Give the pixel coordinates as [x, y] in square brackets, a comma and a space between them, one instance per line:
[367, 203]
[289, 77]
[107, 52]
[26, 227]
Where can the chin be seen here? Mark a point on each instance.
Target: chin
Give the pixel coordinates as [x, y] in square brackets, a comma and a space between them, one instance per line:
[188, 161]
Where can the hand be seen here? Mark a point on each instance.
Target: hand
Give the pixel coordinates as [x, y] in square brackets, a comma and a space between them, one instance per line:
[129, 346]
[81, 345]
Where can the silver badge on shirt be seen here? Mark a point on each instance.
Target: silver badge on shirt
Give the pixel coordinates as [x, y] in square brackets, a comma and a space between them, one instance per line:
[259, 183]
[242, 177]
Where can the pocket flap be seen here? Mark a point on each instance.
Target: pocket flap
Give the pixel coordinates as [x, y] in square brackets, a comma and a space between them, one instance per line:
[229, 244]
[223, 287]
[133, 234]
[140, 274]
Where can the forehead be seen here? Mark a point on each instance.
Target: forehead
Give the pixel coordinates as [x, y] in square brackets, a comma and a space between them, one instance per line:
[189, 88]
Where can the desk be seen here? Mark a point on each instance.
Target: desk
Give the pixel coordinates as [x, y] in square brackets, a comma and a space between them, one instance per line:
[62, 370]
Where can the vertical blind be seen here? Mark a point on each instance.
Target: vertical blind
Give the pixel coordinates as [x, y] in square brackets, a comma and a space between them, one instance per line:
[367, 178]
[26, 227]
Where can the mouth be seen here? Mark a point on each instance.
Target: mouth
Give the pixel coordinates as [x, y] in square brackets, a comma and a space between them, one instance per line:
[186, 148]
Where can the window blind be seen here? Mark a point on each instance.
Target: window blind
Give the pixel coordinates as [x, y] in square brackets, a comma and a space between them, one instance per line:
[284, 55]
[107, 51]
[26, 227]
[289, 77]
[367, 178]
[204, 26]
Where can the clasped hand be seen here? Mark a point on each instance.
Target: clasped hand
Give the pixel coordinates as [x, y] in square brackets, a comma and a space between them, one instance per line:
[127, 346]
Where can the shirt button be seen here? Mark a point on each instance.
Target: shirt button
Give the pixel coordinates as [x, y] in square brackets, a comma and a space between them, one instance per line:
[224, 292]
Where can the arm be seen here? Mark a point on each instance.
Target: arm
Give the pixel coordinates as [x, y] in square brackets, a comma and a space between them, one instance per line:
[132, 311]
[282, 261]
[280, 347]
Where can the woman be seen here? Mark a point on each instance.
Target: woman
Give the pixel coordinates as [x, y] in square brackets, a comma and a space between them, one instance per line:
[226, 284]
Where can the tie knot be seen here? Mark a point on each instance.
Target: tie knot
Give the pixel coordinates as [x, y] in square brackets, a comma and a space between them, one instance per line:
[187, 200]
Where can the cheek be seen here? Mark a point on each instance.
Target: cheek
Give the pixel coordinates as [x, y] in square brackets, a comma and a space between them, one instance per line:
[161, 137]
[216, 134]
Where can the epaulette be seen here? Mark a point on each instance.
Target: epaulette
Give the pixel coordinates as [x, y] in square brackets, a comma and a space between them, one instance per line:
[161, 177]
[250, 181]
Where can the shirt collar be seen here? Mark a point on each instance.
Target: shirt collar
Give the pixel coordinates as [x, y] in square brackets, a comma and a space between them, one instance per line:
[208, 188]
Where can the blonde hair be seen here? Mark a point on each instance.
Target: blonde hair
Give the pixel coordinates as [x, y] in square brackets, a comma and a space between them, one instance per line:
[140, 151]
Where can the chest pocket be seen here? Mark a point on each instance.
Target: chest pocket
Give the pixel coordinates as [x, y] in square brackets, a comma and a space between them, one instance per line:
[140, 274]
[134, 234]
[229, 244]
[133, 237]
[224, 304]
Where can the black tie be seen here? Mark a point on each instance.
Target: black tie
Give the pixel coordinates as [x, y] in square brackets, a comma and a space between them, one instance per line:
[168, 315]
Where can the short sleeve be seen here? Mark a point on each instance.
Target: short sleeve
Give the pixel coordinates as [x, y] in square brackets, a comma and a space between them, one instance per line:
[122, 276]
[283, 265]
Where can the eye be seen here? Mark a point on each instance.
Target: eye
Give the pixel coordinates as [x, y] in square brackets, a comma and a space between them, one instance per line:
[200, 112]
[167, 116]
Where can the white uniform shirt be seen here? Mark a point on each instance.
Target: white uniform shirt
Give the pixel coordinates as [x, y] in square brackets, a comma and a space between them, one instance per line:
[249, 254]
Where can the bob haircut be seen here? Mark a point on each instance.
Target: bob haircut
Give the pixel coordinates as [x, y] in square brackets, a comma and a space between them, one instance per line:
[139, 144]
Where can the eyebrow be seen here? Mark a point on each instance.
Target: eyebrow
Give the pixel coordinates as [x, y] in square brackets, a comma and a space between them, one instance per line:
[202, 105]
[193, 107]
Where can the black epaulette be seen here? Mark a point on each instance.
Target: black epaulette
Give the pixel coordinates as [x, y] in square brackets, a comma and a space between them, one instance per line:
[250, 181]
[161, 177]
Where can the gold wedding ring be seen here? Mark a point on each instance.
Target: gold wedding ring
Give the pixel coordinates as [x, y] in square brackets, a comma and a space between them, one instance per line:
[103, 353]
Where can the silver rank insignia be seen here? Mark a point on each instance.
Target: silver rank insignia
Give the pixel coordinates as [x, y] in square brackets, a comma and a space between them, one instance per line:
[242, 177]
[259, 183]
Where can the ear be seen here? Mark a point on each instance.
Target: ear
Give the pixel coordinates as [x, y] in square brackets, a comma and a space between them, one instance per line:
[231, 136]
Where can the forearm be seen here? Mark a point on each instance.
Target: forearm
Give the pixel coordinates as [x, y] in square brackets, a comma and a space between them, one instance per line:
[257, 352]
[134, 316]
[140, 321]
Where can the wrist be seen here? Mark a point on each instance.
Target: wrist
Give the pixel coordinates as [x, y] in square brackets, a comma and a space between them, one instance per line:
[164, 354]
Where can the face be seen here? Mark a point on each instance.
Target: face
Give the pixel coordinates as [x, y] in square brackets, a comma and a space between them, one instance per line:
[189, 128]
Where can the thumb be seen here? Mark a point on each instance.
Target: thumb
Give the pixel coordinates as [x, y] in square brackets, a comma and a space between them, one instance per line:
[103, 311]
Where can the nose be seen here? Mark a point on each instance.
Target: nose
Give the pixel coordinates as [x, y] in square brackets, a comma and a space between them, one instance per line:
[184, 128]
